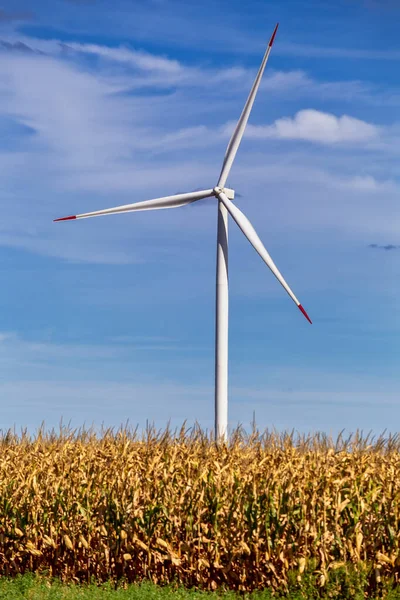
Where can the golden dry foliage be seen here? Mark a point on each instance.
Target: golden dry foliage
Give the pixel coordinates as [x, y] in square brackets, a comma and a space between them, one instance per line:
[177, 507]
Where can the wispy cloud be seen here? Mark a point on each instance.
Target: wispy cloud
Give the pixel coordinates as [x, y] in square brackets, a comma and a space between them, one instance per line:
[37, 353]
[108, 381]
[333, 180]
[8, 17]
[6, 336]
[19, 47]
[381, 6]
[140, 69]
[99, 384]
[156, 70]
[84, 2]
[310, 51]
[82, 127]
[80, 118]
[300, 83]
[384, 247]
[136, 58]
[367, 183]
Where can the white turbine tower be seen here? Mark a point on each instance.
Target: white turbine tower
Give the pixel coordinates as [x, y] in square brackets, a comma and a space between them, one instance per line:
[225, 206]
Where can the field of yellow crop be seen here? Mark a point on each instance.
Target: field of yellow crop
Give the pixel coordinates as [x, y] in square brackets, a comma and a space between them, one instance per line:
[263, 511]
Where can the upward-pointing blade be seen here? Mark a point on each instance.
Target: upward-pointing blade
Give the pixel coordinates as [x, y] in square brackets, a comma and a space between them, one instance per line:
[157, 203]
[244, 117]
[251, 234]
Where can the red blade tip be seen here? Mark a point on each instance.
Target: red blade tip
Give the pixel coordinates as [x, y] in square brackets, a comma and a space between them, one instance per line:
[305, 314]
[271, 41]
[65, 218]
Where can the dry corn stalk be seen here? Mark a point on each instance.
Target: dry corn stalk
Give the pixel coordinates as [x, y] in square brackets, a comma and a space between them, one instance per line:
[179, 507]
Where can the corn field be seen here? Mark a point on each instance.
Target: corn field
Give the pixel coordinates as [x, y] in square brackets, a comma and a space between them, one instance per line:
[260, 511]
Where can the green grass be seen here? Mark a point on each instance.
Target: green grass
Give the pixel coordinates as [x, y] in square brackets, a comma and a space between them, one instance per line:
[32, 587]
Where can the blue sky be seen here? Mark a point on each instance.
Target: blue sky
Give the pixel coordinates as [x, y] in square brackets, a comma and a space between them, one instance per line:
[112, 319]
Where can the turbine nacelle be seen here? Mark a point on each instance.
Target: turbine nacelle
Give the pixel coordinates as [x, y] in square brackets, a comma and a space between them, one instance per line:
[227, 191]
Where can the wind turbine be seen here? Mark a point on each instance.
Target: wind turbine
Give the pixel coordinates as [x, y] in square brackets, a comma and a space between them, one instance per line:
[224, 196]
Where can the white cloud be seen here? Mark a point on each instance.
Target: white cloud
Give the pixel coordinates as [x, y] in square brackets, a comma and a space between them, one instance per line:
[315, 126]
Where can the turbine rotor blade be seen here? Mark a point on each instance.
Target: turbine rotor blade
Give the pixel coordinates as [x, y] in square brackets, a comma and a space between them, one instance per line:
[244, 117]
[251, 234]
[157, 203]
